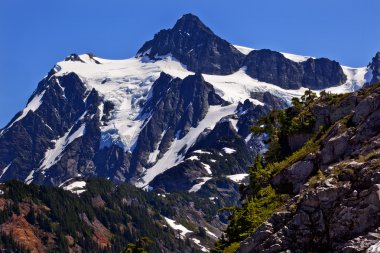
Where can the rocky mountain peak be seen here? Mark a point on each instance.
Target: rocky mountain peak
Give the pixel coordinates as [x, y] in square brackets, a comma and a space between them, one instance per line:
[74, 57]
[194, 45]
[190, 23]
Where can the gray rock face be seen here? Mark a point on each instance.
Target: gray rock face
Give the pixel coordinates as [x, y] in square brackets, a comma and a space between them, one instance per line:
[24, 140]
[294, 177]
[375, 67]
[176, 106]
[336, 210]
[273, 67]
[196, 46]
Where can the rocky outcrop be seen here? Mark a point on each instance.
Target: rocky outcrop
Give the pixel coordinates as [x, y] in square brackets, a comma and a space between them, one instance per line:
[336, 209]
[374, 66]
[194, 45]
[273, 67]
[337, 214]
[292, 179]
[202, 161]
[175, 106]
[200, 50]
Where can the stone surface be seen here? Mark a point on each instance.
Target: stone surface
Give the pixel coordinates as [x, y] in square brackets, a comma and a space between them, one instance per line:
[196, 46]
[273, 67]
[338, 208]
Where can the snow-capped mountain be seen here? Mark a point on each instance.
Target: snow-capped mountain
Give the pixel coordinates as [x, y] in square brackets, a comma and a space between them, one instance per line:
[176, 116]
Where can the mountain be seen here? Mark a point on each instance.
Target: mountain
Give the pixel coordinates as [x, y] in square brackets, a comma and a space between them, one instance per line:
[175, 118]
[196, 46]
[324, 196]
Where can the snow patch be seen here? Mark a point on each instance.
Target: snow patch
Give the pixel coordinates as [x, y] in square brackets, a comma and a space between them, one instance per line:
[239, 86]
[244, 50]
[296, 58]
[52, 156]
[229, 150]
[237, 178]
[153, 156]
[178, 227]
[33, 105]
[202, 152]
[207, 168]
[29, 179]
[198, 186]
[234, 124]
[5, 169]
[210, 233]
[193, 158]
[198, 242]
[374, 248]
[248, 138]
[77, 187]
[356, 78]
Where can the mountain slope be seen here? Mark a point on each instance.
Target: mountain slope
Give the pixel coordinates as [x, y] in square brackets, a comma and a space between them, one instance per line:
[331, 183]
[105, 218]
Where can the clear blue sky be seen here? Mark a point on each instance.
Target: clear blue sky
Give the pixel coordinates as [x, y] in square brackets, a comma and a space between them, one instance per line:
[34, 35]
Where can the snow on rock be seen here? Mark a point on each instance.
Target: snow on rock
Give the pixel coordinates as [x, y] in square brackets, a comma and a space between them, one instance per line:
[202, 152]
[374, 248]
[211, 234]
[77, 187]
[296, 58]
[356, 78]
[33, 105]
[5, 169]
[234, 124]
[198, 242]
[207, 168]
[243, 50]
[173, 156]
[248, 138]
[237, 178]
[198, 186]
[29, 178]
[52, 156]
[192, 158]
[125, 83]
[229, 150]
[239, 86]
[153, 156]
[178, 227]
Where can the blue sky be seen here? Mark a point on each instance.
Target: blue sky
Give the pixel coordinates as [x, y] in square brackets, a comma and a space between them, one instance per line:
[34, 35]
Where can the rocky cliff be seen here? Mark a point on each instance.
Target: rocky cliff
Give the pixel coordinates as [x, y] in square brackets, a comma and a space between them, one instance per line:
[334, 201]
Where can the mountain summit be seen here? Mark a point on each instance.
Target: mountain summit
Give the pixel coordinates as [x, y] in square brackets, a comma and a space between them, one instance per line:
[194, 45]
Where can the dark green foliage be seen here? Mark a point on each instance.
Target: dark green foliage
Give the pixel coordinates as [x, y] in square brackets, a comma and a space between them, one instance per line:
[280, 124]
[139, 246]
